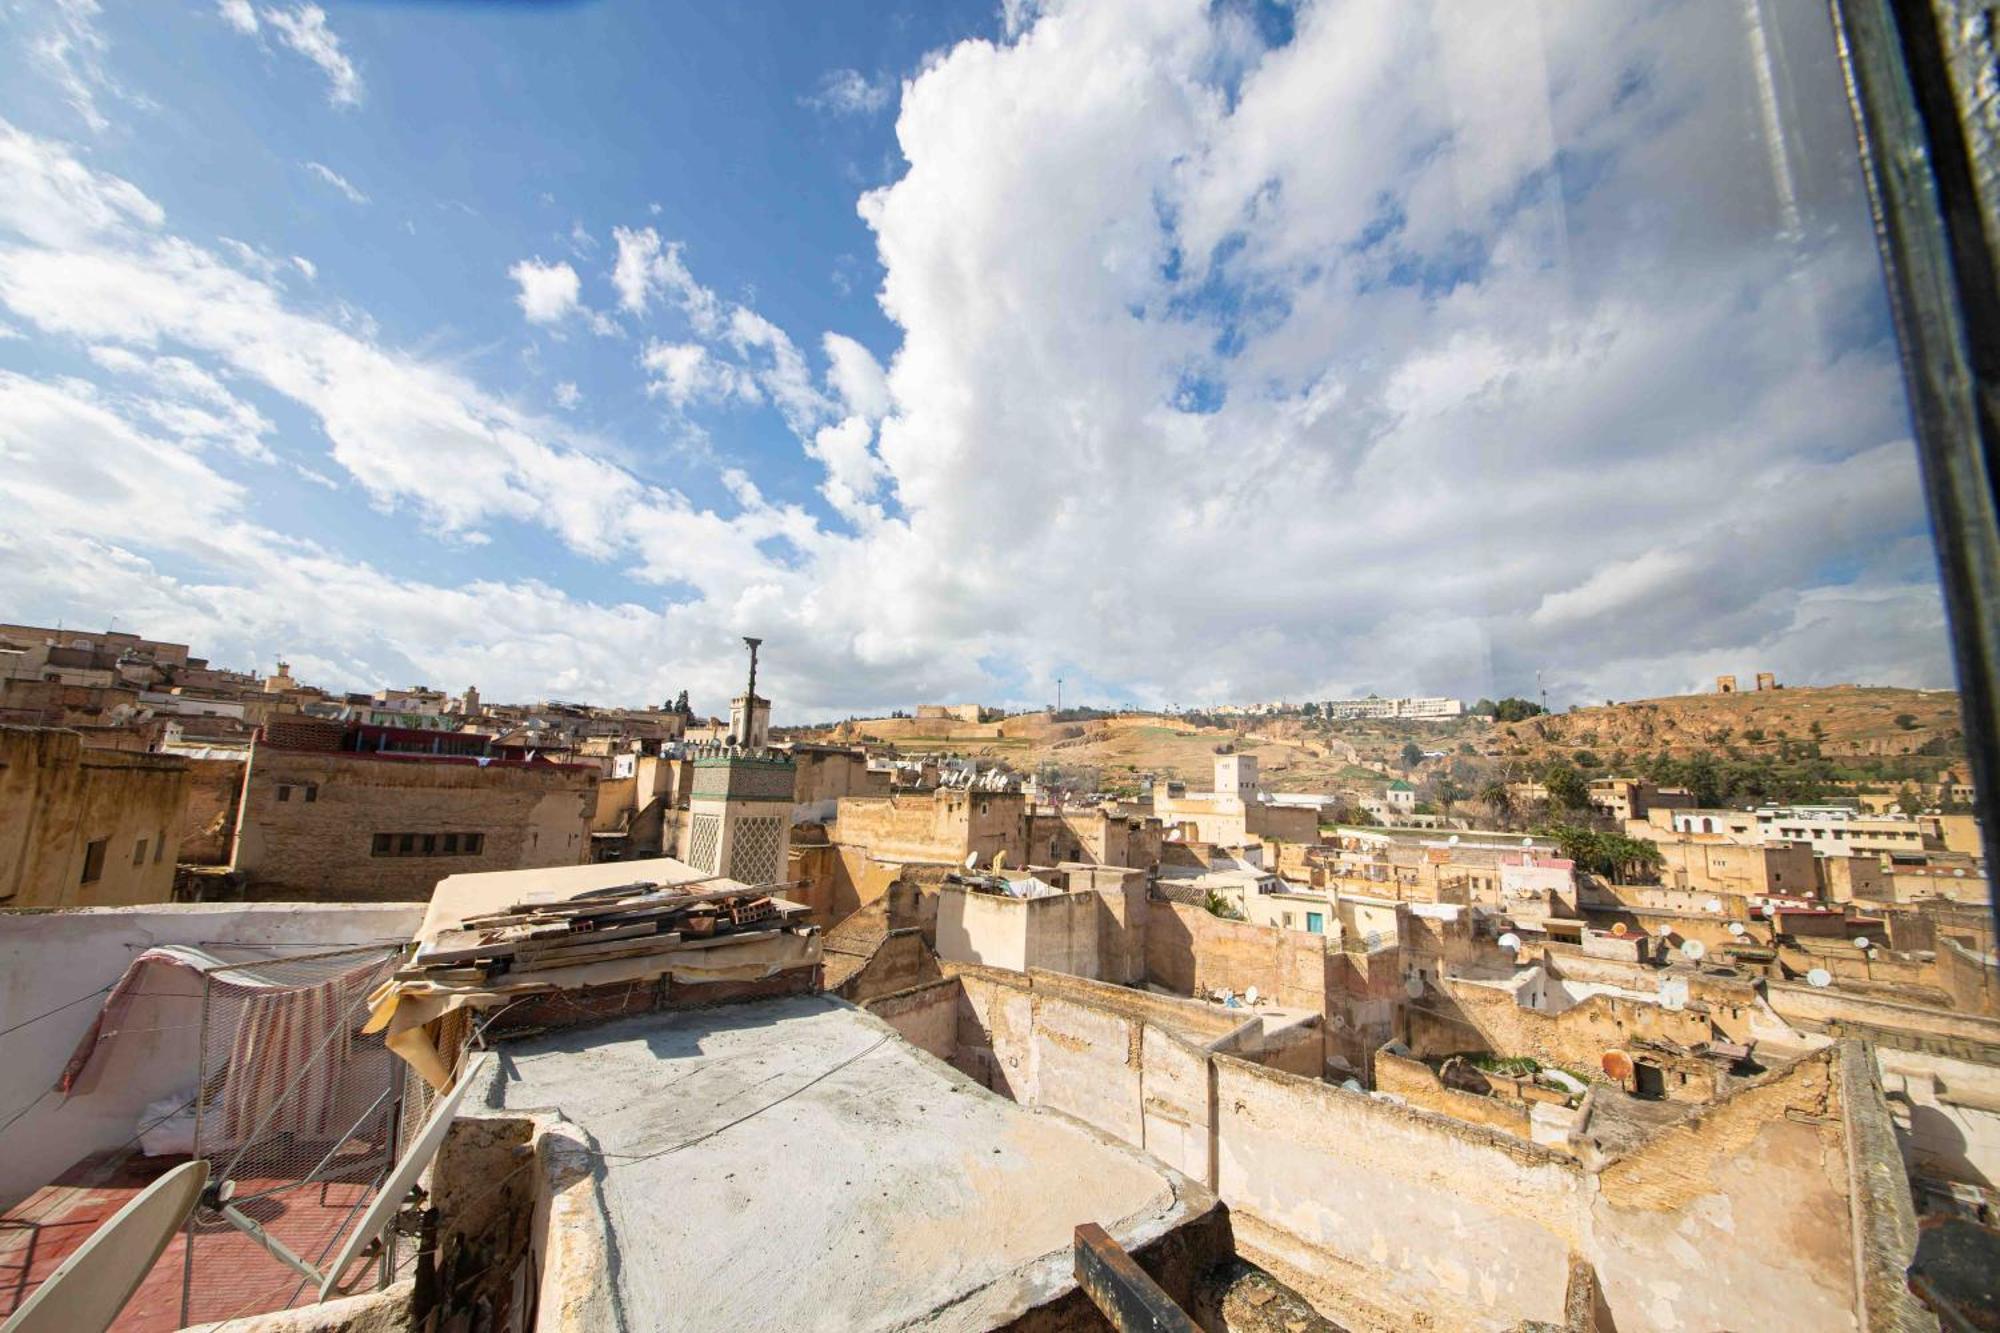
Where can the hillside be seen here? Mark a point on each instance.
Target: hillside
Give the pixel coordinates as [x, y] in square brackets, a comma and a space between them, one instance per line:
[1307, 754]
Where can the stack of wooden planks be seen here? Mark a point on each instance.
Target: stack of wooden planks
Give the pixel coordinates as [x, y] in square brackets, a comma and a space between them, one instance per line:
[599, 926]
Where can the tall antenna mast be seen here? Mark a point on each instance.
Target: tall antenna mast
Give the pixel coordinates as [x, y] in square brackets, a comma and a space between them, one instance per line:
[1059, 694]
[753, 645]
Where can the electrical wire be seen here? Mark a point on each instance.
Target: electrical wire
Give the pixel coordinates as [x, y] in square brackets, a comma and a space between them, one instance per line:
[7, 1032]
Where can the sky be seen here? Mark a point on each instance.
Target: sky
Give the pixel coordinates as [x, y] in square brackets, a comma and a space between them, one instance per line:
[1188, 352]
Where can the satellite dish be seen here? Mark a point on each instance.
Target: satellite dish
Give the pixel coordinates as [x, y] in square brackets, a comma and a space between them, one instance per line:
[1736, 928]
[1618, 929]
[1250, 994]
[1452, 841]
[1693, 950]
[91, 1287]
[1663, 930]
[1819, 976]
[971, 860]
[1527, 842]
[1862, 942]
[1414, 988]
[1958, 874]
[1770, 909]
[1617, 1064]
[1510, 941]
[1712, 905]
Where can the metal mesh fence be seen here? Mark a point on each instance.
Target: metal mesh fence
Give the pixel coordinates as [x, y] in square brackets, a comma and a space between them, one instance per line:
[304, 1115]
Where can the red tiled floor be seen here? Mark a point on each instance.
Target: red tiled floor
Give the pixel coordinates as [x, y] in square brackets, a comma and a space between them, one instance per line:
[231, 1273]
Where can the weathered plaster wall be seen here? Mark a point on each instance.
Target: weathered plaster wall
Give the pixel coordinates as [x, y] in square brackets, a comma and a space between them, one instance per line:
[926, 1015]
[1056, 934]
[1193, 951]
[58, 797]
[322, 849]
[1381, 1213]
[208, 821]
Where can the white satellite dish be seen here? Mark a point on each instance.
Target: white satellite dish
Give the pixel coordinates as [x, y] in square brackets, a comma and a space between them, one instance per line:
[1452, 841]
[1863, 943]
[91, 1287]
[1414, 988]
[971, 860]
[1509, 941]
[1819, 976]
[1250, 994]
[1736, 928]
[1958, 874]
[1527, 842]
[1770, 909]
[1663, 930]
[1712, 905]
[1693, 950]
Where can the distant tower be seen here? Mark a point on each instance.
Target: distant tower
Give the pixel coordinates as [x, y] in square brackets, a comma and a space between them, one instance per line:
[1236, 776]
[1766, 681]
[1725, 684]
[280, 680]
[750, 716]
[469, 701]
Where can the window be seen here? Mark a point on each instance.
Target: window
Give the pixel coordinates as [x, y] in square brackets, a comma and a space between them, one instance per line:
[159, 846]
[93, 860]
[139, 852]
[312, 792]
[284, 793]
[426, 844]
[1316, 922]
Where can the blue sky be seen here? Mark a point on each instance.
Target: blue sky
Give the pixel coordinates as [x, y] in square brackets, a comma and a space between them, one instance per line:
[1190, 351]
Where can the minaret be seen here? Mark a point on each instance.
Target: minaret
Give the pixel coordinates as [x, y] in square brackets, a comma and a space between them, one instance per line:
[740, 809]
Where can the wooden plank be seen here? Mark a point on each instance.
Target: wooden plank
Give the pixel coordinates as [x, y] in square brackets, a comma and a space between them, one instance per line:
[601, 953]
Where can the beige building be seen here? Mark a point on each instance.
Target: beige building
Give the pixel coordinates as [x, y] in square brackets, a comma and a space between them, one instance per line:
[340, 826]
[84, 827]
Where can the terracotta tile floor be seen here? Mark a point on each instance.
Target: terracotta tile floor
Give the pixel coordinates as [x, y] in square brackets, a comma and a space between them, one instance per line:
[232, 1275]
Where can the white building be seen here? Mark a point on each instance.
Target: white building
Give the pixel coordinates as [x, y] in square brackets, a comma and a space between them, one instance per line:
[1420, 709]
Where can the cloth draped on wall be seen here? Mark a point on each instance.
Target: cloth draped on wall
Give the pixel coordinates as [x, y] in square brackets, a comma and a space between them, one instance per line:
[287, 1041]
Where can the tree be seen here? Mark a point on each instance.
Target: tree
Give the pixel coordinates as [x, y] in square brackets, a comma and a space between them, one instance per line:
[1585, 759]
[1498, 798]
[1511, 709]
[1906, 721]
[1908, 801]
[1566, 788]
[1447, 793]
[1484, 708]
[1311, 709]
[1413, 754]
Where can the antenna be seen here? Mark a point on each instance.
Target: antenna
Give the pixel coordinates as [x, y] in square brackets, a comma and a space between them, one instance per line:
[92, 1286]
[1694, 950]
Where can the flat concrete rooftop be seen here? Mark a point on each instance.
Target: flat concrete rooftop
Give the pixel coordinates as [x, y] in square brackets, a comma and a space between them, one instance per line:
[795, 1163]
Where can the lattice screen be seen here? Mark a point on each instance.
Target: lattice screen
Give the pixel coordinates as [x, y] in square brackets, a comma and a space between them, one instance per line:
[753, 857]
[705, 843]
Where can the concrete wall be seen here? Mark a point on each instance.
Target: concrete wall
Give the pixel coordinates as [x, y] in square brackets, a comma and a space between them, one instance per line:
[926, 1015]
[1056, 933]
[322, 849]
[1193, 951]
[49, 959]
[1899, 1026]
[208, 821]
[935, 826]
[57, 799]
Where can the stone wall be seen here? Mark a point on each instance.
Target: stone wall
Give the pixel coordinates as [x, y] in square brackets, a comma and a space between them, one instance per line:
[318, 841]
[86, 828]
[208, 823]
[1467, 1016]
[926, 1015]
[940, 825]
[1195, 952]
[1900, 1026]
[1057, 933]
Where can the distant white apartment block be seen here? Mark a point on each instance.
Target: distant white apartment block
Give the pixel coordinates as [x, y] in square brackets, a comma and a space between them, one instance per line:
[1404, 708]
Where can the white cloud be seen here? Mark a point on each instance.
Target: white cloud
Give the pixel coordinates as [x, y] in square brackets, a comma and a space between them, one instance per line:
[307, 267]
[849, 92]
[855, 375]
[337, 181]
[548, 292]
[303, 28]
[239, 15]
[568, 396]
[1416, 354]
[685, 373]
[646, 268]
